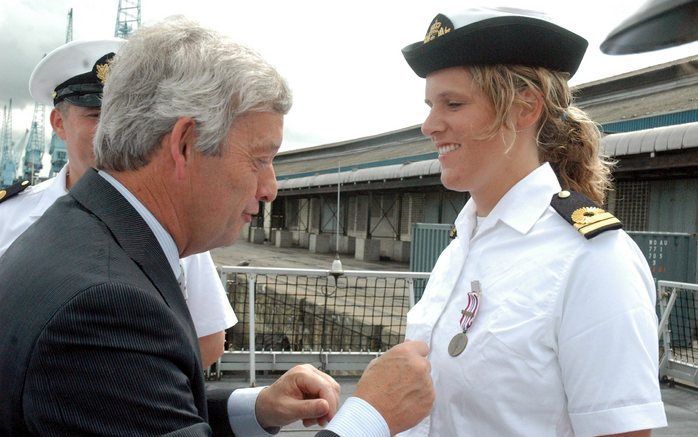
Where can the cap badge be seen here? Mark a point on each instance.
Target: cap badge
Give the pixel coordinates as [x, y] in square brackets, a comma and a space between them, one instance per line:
[101, 70]
[436, 30]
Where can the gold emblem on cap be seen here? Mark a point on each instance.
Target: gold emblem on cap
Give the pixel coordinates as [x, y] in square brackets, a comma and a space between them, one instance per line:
[102, 70]
[2, 194]
[54, 94]
[436, 30]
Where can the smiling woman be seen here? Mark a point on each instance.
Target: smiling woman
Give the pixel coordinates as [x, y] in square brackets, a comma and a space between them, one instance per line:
[541, 298]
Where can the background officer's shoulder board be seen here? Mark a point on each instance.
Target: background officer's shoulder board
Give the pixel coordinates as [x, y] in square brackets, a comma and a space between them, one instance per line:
[13, 190]
[581, 213]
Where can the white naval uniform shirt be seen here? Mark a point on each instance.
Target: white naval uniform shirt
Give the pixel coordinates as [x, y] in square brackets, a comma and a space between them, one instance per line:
[208, 304]
[565, 340]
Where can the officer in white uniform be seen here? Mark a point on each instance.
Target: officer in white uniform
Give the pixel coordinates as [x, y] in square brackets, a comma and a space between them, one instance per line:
[71, 78]
[540, 313]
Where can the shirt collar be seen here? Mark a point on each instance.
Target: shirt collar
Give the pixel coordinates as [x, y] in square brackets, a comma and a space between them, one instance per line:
[164, 238]
[520, 208]
[56, 189]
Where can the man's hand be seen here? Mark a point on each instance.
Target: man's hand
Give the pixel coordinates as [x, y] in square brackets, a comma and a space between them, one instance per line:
[399, 386]
[302, 393]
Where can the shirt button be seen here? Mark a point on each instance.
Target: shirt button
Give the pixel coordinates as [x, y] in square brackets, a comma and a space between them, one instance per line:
[563, 194]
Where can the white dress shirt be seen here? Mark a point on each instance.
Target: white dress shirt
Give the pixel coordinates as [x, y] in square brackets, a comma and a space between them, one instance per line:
[565, 340]
[207, 301]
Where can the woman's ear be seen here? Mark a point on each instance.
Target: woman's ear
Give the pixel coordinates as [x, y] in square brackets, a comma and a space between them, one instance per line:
[528, 109]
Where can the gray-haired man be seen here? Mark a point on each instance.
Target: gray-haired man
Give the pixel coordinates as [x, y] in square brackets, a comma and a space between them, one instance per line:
[96, 337]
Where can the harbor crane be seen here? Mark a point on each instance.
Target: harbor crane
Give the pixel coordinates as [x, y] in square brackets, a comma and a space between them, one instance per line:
[8, 165]
[128, 18]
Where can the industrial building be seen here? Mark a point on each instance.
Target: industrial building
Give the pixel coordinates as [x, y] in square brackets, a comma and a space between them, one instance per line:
[390, 181]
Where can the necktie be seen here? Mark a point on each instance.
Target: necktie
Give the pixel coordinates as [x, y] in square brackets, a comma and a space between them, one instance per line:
[182, 281]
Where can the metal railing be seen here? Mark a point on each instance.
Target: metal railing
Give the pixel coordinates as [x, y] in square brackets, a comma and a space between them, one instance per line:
[340, 320]
[678, 331]
[336, 320]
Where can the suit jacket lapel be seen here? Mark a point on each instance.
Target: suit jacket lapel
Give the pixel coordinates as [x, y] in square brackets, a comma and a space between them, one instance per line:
[133, 234]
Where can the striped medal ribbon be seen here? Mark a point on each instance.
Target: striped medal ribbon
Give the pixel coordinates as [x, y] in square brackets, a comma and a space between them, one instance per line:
[460, 340]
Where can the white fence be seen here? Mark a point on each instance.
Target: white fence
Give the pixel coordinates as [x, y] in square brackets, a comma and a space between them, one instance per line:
[340, 320]
[337, 320]
[678, 331]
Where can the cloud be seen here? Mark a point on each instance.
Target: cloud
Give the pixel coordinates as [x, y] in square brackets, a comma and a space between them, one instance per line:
[30, 30]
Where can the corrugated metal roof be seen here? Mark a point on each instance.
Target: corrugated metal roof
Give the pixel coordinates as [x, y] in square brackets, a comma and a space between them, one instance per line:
[660, 139]
[388, 172]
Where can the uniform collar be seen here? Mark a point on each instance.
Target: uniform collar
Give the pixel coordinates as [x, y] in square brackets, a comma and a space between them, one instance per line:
[55, 189]
[520, 208]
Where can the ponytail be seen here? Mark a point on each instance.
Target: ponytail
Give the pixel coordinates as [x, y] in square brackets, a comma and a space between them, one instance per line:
[567, 138]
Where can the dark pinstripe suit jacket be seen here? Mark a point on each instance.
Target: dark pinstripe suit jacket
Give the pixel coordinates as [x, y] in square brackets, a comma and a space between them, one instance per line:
[95, 335]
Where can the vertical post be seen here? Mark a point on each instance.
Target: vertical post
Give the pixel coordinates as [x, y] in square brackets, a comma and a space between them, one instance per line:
[399, 217]
[440, 218]
[368, 214]
[410, 286]
[224, 281]
[250, 288]
[339, 175]
[307, 222]
[322, 205]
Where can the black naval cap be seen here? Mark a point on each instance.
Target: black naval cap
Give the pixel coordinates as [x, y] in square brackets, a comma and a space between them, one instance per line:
[484, 36]
[85, 89]
[74, 72]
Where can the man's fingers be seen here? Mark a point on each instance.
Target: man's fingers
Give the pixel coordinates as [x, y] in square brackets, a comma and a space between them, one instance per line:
[419, 347]
[317, 384]
[310, 409]
[322, 421]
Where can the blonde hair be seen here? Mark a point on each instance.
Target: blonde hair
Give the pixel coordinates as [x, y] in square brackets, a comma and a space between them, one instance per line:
[567, 138]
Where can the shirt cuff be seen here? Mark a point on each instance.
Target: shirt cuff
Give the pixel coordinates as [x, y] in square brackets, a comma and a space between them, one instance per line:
[358, 418]
[619, 420]
[241, 413]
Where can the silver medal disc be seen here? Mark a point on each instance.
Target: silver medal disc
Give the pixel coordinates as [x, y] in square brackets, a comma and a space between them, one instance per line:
[457, 344]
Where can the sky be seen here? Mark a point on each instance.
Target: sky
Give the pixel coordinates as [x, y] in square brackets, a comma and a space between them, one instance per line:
[341, 59]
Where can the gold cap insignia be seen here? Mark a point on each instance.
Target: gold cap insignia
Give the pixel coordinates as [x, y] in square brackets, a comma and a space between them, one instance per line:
[436, 30]
[54, 94]
[102, 70]
[2, 193]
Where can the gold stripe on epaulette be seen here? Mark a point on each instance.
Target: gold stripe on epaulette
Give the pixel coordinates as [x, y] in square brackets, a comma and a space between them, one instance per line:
[598, 225]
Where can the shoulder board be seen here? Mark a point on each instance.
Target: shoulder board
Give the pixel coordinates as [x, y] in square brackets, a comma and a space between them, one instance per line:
[581, 213]
[13, 190]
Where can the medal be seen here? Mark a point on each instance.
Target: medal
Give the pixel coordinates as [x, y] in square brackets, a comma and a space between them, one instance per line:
[459, 341]
[457, 344]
